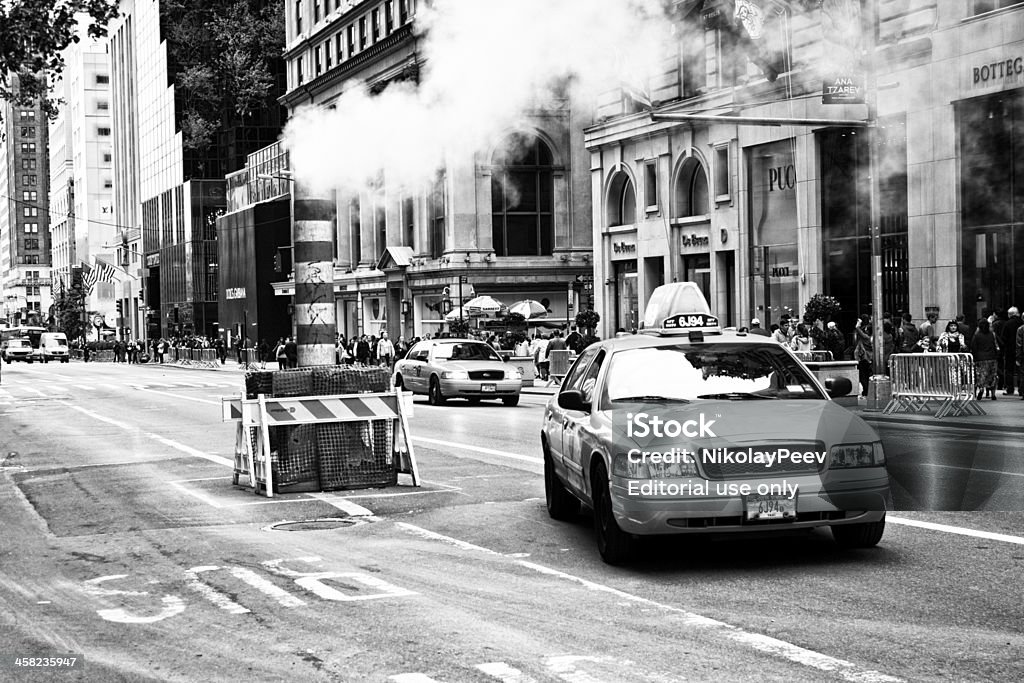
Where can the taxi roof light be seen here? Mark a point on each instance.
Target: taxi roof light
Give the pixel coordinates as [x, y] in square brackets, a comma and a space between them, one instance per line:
[679, 308]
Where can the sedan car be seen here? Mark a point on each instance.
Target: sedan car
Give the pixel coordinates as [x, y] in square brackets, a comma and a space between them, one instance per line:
[18, 349]
[458, 368]
[686, 429]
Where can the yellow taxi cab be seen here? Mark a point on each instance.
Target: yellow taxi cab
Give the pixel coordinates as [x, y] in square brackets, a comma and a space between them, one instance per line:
[686, 429]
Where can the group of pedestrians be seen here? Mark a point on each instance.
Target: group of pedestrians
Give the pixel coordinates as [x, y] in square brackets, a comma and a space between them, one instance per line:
[372, 350]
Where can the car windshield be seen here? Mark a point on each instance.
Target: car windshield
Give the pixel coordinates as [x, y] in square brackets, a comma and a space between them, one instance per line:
[61, 342]
[18, 343]
[465, 351]
[726, 371]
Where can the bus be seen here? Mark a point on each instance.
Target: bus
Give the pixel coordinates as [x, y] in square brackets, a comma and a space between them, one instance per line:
[31, 333]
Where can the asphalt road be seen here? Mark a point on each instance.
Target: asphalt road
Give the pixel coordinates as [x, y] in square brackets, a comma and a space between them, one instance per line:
[124, 542]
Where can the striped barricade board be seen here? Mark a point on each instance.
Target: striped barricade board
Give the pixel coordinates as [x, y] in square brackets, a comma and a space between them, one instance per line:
[262, 413]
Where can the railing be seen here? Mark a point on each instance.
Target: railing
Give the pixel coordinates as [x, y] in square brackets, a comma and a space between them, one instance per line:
[920, 378]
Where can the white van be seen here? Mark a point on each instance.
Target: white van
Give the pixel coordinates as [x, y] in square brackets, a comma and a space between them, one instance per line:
[53, 346]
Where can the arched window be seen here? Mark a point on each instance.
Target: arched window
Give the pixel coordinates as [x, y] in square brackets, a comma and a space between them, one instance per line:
[621, 209]
[690, 193]
[522, 198]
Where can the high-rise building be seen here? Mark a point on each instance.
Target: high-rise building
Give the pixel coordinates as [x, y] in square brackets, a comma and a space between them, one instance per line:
[24, 215]
[170, 192]
[83, 230]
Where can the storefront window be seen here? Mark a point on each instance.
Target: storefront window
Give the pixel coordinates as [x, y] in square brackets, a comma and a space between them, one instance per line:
[774, 263]
[991, 132]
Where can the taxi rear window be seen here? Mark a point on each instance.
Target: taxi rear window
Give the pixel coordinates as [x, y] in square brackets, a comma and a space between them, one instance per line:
[473, 351]
[726, 371]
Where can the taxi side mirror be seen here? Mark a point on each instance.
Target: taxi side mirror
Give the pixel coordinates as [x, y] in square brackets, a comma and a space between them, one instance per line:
[572, 399]
[838, 386]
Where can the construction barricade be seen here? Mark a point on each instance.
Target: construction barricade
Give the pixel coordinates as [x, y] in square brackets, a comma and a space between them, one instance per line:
[321, 429]
[920, 378]
[558, 365]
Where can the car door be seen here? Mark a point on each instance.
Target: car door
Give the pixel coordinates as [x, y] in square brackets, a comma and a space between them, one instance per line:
[556, 417]
[577, 431]
[412, 367]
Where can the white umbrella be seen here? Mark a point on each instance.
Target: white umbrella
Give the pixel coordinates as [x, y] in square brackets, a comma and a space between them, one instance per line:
[456, 313]
[484, 306]
[528, 308]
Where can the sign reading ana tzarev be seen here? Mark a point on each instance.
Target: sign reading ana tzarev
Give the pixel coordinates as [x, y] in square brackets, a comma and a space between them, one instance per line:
[846, 89]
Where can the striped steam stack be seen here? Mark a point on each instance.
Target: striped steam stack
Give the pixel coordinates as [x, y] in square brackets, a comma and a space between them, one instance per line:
[313, 240]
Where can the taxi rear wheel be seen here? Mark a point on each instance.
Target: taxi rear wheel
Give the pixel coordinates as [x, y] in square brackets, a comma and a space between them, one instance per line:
[511, 400]
[865, 535]
[434, 393]
[561, 504]
[614, 544]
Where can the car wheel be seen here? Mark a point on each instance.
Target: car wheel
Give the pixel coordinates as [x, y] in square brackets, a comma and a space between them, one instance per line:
[474, 401]
[562, 505]
[399, 384]
[614, 544]
[865, 535]
[434, 394]
[511, 400]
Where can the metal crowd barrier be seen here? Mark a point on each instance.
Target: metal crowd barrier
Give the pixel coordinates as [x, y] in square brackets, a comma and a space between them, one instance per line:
[558, 365]
[920, 378]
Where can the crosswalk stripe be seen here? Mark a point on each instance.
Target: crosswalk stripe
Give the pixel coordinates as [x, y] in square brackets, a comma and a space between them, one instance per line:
[413, 678]
[83, 386]
[504, 673]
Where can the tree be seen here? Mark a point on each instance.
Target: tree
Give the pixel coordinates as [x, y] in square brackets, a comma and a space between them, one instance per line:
[228, 62]
[68, 309]
[33, 35]
[587, 320]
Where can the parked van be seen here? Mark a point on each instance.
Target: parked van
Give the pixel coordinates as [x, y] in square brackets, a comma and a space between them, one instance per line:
[53, 346]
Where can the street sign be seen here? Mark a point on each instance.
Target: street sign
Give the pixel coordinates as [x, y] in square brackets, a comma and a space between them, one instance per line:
[463, 279]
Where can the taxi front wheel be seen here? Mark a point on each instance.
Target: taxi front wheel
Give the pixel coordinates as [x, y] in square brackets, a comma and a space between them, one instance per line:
[614, 544]
[434, 393]
[865, 535]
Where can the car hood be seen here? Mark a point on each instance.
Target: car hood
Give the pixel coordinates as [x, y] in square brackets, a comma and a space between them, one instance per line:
[742, 423]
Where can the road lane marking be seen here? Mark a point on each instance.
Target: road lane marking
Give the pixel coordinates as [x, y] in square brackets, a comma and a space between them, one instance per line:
[478, 449]
[972, 469]
[182, 396]
[227, 462]
[772, 646]
[504, 673]
[196, 494]
[348, 507]
[210, 593]
[413, 678]
[34, 390]
[84, 387]
[962, 531]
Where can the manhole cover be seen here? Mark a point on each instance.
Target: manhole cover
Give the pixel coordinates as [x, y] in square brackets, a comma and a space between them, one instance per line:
[314, 525]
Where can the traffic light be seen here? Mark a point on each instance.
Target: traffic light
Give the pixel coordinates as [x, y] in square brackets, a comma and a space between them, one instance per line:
[120, 308]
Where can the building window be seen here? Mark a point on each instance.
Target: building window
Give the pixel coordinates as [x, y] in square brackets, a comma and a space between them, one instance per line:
[651, 185]
[621, 206]
[298, 70]
[351, 31]
[298, 17]
[438, 211]
[316, 62]
[691, 190]
[339, 46]
[28, 132]
[28, 115]
[376, 24]
[107, 157]
[103, 131]
[327, 55]
[102, 79]
[31, 228]
[28, 164]
[29, 195]
[108, 184]
[28, 180]
[102, 106]
[982, 6]
[389, 17]
[316, 11]
[31, 211]
[362, 33]
[722, 192]
[28, 148]
[31, 258]
[522, 198]
[32, 243]
[355, 227]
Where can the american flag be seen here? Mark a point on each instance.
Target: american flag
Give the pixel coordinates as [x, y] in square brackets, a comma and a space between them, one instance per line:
[102, 272]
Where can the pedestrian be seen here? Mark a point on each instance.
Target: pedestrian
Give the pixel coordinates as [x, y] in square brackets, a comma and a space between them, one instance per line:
[1008, 341]
[985, 349]
[801, 341]
[908, 335]
[888, 344]
[264, 353]
[574, 340]
[929, 331]
[85, 352]
[952, 341]
[540, 356]
[222, 350]
[291, 351]
[363, 350]
[779, 333]
[161, 349]
[864, 351]
[385, 350]
[834, 343]
[281, 355]
[965, 330]
[755, 328]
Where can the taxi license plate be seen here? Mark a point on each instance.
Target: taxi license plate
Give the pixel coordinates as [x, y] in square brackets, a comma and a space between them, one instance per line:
[770, 507]
[487, 387]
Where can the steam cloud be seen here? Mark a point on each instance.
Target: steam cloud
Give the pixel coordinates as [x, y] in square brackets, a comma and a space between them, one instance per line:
[487, 64]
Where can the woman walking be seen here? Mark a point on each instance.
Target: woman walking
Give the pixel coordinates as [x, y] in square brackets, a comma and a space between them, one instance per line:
[985, 349]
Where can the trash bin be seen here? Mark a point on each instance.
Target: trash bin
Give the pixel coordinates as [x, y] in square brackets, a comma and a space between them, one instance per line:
[879, 392]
